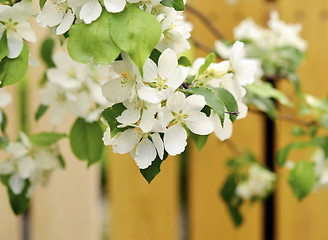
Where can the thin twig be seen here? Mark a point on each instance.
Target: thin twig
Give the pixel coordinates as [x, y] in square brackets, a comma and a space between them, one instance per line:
[202, 46]
[287, 118]
[206, 21]
[233, 147]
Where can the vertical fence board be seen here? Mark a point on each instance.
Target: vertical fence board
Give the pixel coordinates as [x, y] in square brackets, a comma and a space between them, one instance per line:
[140, 210]
[306, 219]
[208, 215]
[69, 207]
[10, 225]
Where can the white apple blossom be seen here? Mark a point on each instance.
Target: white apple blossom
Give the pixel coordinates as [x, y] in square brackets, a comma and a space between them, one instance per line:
[60, 13]
[163, 79]
[175, 31]
[5, 99]
[181, 112]
[123, 87]
[13, 21]
[143, 147]
[73, 87]
[28, 162]
[321, 168]
[259, 183]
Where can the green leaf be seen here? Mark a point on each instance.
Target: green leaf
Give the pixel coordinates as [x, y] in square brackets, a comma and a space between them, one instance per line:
[13, 70]
[3, 122]
[229, 102]
[302, 179]
[210, 58]
[19, 203]
[140, 34]
[321, 142]
[200, 140]
[228, 193]
[40, 112]
[324, 121]
[46, 138]
[92, 43]
[283, 153]
[313, 130]
[3, 142]
[151, 172]
[264, 104]
[266, 90]
[47, 49]
[155, 54]
[184, 61]
[86, 140]
[110, 114]
[3, 47]
[298, 131]
[211, 98]
[178, 5]
[61, 161]
[41, 3]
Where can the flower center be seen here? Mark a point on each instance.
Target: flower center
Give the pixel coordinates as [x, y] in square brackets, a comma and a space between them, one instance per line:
[180, 117]
[161, 82]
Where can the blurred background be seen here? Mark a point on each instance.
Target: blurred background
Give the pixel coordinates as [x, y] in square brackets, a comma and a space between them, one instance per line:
[113, 201]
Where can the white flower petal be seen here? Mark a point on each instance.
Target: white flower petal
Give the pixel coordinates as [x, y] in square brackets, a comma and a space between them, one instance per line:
[24, 30]
[114, 6]
[49, 16]
[158, 144]
[145, 153]
[176, 102]
[5, 13]
[194, 104]
[117, 90]
[90, 11]
[129, 116]
[15, 44]
[149, 94]
[57, 114]
[66, 23]
[175, 140]
[200, 124]
[2, 29]
[21, 11]
[16, 184]
[167, 62]
[224, 132]
[126, 141]
[16, 149]
[25, 167]
[147, 120]
[5, 98]
[6, 168]
[150, 71]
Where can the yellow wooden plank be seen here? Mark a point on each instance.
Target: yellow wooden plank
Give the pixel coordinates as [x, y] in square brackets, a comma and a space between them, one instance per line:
[305, 219]
[10, 225]
[69, 207]
[140, 210]
[208, 215]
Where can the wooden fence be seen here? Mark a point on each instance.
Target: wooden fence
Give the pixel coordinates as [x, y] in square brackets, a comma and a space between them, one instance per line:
[71, 206]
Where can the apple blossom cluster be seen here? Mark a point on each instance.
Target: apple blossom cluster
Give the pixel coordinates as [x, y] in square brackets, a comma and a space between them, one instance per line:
[61, 14]
[28, 165]
[74, 88]
[278, 48]
[258, 184]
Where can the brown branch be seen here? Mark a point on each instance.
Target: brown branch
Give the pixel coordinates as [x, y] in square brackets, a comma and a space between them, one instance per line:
[206, 21]
[287, 118]
[202, 46]
[233, 147]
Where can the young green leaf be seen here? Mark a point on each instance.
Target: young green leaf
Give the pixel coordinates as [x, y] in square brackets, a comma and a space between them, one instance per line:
[41, 110]
[211, 98]
[184, 61]
[110, 114]
[47, 49]
[298, 131]
[210, 58]
[200, 140]
[3, 121]
[302, 179]
[151, 172]
[46, 138]
[86, 140]
[3, 142]
[178, 5]
[3, 47]
[41, 3]
[140, 34]
[324, 121]
[13, 70]
[92, 43]
[283, 153]
[229, 102]
[19, 203]
[155, 54]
